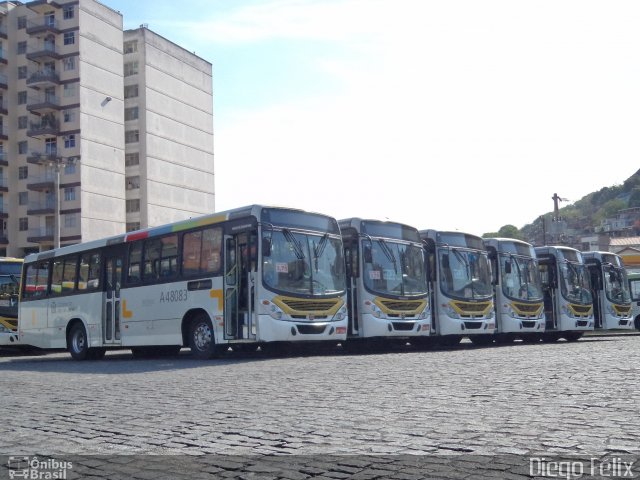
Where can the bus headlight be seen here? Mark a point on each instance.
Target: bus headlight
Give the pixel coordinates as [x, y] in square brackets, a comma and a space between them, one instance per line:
[423, 314]
[340, 314]
[450, 311]
[272, 310]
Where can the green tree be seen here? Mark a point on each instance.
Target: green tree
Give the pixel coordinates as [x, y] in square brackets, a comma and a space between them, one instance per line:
[510, 231]
[634, 199]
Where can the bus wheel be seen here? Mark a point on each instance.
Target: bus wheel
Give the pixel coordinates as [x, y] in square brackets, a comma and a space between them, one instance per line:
[572, 336]
[96, 353]
[481, 339]
[201, 339]
[449, 340]
[550, 337]
[78, 343]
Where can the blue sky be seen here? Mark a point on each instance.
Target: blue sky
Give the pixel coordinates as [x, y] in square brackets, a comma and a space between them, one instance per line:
[448, 114]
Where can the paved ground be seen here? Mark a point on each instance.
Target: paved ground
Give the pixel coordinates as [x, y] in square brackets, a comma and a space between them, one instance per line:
[394, 414]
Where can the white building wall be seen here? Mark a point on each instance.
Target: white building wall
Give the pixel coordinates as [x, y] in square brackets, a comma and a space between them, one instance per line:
[101, 122]
[176, 131]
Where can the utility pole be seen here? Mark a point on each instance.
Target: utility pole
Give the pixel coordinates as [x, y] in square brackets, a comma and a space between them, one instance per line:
[57, 164]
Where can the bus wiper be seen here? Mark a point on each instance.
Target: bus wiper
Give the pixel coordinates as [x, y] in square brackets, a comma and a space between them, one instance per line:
[319, 249]
[389, 254]
[297, 247]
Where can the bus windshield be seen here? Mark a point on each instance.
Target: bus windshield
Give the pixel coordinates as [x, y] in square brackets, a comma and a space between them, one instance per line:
[392, 268]
[465, 274]
[11, 267]
[303, 263]
[574, 282]
[520, 278]
[616, 284]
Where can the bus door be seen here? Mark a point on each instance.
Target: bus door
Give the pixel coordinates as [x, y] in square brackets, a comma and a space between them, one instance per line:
[239, 286]
[112, 274]
[352, 261]
[549, 289]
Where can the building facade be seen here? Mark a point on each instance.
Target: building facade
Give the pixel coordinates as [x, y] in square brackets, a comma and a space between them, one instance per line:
[101, 130]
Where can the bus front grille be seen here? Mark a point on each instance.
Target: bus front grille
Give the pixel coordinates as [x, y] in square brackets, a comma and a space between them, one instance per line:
[311, 329]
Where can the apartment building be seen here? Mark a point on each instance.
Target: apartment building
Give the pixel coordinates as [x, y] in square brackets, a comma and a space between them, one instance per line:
[101, 130]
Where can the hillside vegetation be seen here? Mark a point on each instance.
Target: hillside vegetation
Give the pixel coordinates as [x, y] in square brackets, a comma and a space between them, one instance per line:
[584, 216]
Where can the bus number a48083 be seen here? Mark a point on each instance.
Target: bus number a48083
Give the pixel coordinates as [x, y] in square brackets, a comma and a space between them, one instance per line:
[174, 296]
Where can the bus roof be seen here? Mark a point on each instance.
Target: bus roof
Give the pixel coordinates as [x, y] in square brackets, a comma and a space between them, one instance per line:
[381, 228]
[204, 220]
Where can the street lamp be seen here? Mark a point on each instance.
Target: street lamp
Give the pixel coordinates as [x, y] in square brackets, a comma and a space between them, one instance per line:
[57, 163]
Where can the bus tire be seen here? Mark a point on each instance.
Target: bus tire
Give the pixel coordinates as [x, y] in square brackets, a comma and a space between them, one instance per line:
[201, 338]
[78, 342]
[572, 336]
[96, 353]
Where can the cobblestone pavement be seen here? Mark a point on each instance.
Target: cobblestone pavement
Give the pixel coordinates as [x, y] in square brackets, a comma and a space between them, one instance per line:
[342, 415]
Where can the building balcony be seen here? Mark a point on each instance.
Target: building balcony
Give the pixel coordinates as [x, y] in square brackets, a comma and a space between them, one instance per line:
[3, 82]
[4, 237]
[43, 25]
[3, 107]
[43, 183]
[42, 52]
[45, 207]
[43, 79]
[3, 159]
[40, 235]
[45, 128]
[42, 6]
[43, 104]
[3, 57]
[39, 158]
[3, 32]
[4, 133]
[4, 184]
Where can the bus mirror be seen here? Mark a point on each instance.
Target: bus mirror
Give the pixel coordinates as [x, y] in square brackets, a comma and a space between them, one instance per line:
[266, 247]
[367, 254]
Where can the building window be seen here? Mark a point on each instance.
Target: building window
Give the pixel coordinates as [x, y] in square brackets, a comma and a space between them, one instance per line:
[131, 113]
[70, 38]
[22, 22]
[69, 90]
[131, 91]
[22, 48]
[22, 98]
[50, 146]
[131, 136]
[133, 183]
[131, 159]
[130, 68]
[22, 72]
[69, 116]
[70, 220]
[23, 147]
[69, 141]
[131, 46]
[69, 194]
[68, 12]
[69, 63]
[133, 205]
[23, 224]
[70, 169]
[22, 122]
[23, 172]
[23, 198]
[131, 226]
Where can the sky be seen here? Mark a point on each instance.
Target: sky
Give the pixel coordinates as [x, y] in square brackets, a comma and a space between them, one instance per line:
[447, 114]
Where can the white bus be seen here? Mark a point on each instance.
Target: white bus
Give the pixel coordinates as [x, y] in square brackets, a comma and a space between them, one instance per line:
[517, 289]
[610, 291]
[568, 304]
[386, 282]
[242, 278]
[634, 288]
[459, 275]
[10, 271]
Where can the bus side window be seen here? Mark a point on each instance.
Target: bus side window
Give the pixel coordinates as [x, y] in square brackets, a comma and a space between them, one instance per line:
[210, 261]
[89, 272]
[56, 276]
[135, 258]
[36, 279]
[69, 274]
